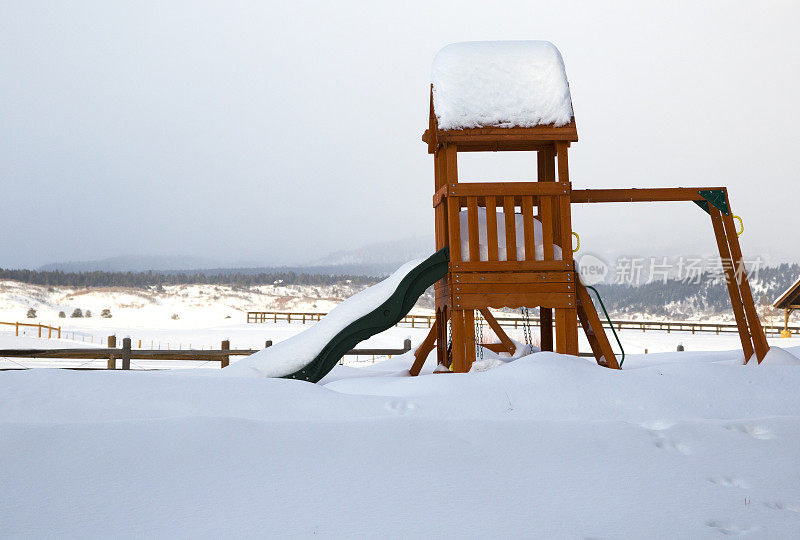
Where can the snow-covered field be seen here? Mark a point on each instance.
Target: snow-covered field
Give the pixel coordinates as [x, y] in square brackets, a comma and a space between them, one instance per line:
[688, 445]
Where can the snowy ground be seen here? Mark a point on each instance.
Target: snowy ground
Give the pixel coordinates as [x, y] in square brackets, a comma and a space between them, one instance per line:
[689, 445]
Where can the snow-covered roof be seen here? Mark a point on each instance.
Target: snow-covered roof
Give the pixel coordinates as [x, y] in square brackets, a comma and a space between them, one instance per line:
[790, 296]
[500, 84]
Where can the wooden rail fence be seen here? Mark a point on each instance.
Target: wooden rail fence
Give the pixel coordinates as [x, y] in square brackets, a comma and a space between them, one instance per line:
[50, 329]
[425, 321]
[126, 353]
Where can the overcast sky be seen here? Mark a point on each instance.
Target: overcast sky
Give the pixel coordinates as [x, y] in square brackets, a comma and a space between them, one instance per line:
[277, 132]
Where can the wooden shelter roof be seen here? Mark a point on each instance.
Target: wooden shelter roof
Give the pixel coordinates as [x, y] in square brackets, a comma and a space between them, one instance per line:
[790, 298]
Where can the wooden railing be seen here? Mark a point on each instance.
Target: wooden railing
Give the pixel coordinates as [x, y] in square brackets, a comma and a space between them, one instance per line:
[547, 202]
[126, 353]
[425, 321]
[50, 329]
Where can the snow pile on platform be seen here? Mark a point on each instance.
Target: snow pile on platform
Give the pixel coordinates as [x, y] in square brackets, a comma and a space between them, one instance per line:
[291, 355]
[519, 232]
[500, 83]
[681, 445]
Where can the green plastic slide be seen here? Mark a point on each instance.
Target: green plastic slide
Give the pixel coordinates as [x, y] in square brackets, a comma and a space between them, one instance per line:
[392, 311]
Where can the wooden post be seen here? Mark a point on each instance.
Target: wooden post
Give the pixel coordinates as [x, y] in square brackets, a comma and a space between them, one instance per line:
[40, 329]
[740, 271]
[226, 345]
[112, 344]
[126, 353]
[469, 339]
[730, 280]
[422, 351]
[457, 331]
[59, 332]
[49, 331]
[546, 328]
[16, 327]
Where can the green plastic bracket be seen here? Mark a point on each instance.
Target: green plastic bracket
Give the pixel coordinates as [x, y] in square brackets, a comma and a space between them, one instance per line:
[714, 196]
[382, 318]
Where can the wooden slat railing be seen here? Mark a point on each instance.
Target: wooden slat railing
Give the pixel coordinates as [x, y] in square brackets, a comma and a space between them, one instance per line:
[544, 201]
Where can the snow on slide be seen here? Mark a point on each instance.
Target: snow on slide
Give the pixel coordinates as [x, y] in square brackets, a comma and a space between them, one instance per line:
[500, 84]
[312, 353]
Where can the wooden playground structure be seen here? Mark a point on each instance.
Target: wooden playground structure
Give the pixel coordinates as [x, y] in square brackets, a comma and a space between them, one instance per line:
[543, 274]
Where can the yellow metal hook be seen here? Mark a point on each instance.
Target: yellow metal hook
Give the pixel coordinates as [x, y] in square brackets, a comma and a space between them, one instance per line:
[741, 224]
[578, 238]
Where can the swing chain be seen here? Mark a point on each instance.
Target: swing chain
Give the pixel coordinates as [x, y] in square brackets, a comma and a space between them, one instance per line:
[449, 334]
[526, 329]
[479, 334]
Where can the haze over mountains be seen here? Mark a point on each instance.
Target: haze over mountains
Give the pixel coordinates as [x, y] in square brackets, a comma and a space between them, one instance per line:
[372, 260]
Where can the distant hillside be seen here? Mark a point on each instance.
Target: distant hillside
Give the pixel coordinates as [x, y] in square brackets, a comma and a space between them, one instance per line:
[673, 299]
[379, 259]
[682, 300]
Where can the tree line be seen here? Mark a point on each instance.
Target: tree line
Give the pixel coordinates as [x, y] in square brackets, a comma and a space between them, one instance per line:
[143, 280]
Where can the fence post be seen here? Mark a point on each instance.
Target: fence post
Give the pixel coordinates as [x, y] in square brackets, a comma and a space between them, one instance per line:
[112, 344]
[268, 344]
[40, 329]
[16, 327]
[407, 344]
[126, 353]
[226, 345]
[59, 332]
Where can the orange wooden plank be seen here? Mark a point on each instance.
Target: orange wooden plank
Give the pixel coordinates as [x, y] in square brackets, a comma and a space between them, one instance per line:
[457, 332]
[469, 339]
[527, 220]
[472, 228]
[491, 227]
[421, 354]
[561, 333]
[639, 194]
[513, 277]
[503, 288]
[454, 225]
[507, 266]
[511, 300]
[546, 211]
[754, 323]
[594, 329]
[511, 229]
[468, 189]
[566, 231]
[505, 341]
[733, 290]
[571, 326]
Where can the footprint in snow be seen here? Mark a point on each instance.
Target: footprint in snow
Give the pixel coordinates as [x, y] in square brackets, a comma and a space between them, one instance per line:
[401, 407]
[754, 430]
[730, 529]
[729, 481]
[778, 505]
[657, 425]
[665, 443]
